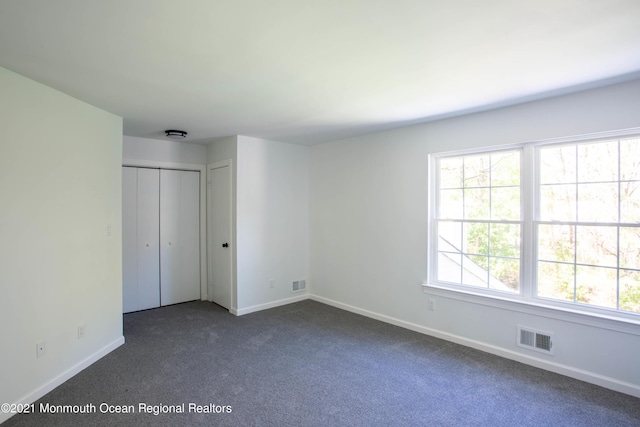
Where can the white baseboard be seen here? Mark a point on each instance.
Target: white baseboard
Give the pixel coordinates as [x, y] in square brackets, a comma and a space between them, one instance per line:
[272, 304]
[569, 371]
[64, 376]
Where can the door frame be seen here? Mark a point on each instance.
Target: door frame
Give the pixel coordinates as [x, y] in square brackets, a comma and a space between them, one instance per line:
[232, 259]
[154, 164]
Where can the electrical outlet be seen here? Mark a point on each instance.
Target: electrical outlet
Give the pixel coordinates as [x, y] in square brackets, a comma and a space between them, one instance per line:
[41, 348]
[82, 330]
[431, 304]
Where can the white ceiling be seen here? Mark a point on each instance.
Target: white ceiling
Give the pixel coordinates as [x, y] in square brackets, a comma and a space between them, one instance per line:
[311, 71]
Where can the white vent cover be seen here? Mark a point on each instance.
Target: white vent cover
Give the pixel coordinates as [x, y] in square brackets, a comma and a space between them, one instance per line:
[535, 340]
[299, 285]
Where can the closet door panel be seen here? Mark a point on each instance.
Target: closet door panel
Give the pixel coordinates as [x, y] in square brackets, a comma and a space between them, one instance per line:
[179, 236]
[129, 239]
[148, 225]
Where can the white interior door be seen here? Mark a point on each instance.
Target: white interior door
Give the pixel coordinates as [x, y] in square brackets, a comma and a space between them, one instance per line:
[219, 230]
[129, 239]
[179, 236]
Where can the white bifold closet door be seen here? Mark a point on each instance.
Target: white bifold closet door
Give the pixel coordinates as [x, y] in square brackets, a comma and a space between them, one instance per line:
[179, 236]
[160, 237]
[140, 239]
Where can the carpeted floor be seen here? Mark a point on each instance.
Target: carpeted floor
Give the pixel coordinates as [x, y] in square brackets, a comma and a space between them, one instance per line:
[308, 364]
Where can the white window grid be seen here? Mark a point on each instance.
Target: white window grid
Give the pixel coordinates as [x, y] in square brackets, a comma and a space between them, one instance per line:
[529, 221]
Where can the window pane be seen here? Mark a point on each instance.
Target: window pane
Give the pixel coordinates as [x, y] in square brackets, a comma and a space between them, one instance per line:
[476, 171]
[505, 168]
[505, 240]
[449, 236]
[558, 202]
[505, 274]
[556, 242]
[597, 245]
[449, 267]
[476, 203]
[505, 203]
[558, 165]
[596, 286]
[630, 201]
[475, 238]
[630, 159]
[630, 290]
[630, 247]
[555, 280]
[474, 271]
[451, 204]
[598, 202]
[451, 172]
[598, 162]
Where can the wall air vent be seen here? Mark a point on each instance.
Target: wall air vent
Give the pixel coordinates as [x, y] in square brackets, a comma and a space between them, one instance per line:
[535, 340]
[299, 286]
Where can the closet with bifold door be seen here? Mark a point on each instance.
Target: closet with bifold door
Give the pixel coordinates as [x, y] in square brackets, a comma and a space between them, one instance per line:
[160, 237]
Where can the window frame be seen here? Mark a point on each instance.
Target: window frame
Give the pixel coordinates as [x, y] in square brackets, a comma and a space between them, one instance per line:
[489, 221]
[530, 218]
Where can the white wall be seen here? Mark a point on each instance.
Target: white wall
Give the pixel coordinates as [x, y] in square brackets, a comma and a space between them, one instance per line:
[369, 234]
[159, 150]
[272, 221]
[60, 187]
[223, 149]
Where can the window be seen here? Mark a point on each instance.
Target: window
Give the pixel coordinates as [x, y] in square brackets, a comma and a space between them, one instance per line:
[479, 225]
[555, 222]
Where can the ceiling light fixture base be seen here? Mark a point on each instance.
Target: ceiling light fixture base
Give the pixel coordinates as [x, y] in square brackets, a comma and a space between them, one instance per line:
[175, 134]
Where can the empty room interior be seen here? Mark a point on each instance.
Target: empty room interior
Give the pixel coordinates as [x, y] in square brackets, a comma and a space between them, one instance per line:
[447, 177]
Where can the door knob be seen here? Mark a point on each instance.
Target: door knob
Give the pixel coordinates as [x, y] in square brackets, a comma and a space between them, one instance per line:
[225, 245]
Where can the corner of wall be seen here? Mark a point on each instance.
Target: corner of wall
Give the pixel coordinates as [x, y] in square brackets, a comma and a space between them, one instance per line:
[66, 218]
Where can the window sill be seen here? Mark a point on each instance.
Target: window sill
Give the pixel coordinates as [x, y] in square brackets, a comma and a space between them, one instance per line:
[539, 308]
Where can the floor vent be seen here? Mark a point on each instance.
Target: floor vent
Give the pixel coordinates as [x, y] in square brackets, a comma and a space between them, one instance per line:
[299, 285]
[535, 340]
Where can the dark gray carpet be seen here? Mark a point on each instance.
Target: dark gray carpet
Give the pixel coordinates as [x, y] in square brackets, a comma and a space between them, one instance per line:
[308, 364]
